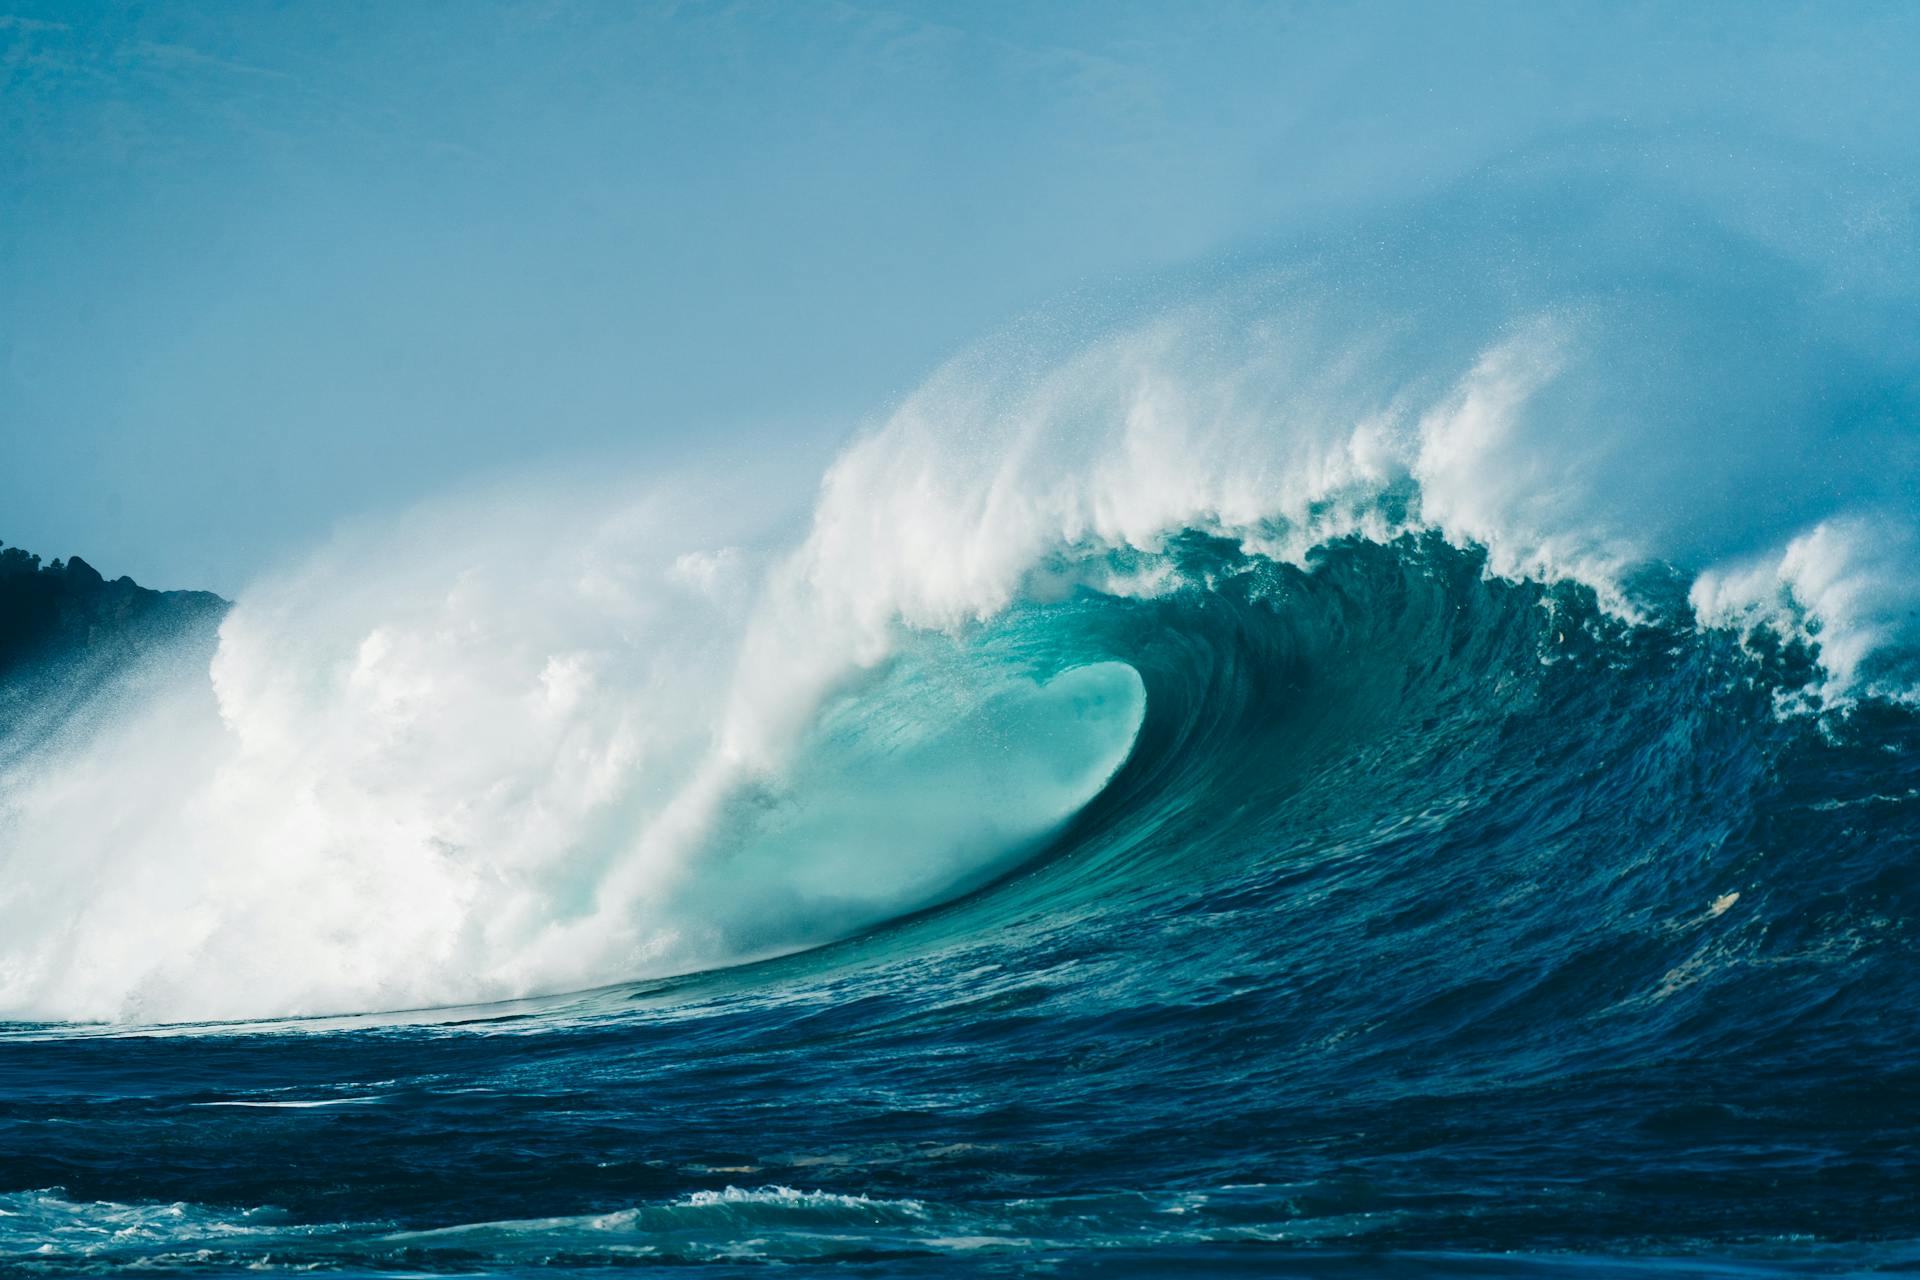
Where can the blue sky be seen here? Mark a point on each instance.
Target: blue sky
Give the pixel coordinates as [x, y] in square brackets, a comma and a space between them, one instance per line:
[264, 267]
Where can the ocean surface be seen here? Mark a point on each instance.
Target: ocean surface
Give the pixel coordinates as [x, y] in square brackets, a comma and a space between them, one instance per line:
[1396, 758]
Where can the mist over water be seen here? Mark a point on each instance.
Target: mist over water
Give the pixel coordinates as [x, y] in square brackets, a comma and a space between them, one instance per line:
[489, 755]
[500, 747]
[1395, 741]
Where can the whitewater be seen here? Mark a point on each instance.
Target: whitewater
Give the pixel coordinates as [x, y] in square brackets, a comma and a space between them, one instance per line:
[1403, 738]
[532, 742]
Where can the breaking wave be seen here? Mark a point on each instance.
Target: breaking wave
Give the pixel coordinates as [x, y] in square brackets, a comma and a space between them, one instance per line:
[1316, 537]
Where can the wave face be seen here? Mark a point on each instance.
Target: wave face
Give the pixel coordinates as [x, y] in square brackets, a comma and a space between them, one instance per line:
[1407, 745]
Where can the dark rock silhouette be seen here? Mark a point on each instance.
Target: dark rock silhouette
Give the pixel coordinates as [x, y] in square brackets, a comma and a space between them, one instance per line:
[55, 614]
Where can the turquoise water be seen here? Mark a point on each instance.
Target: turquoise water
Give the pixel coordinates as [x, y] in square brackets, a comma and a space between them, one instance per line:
[1434, 925]
[1399, 757]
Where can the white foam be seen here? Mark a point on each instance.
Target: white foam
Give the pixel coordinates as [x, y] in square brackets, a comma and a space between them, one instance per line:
[495, 749]
[557, 738]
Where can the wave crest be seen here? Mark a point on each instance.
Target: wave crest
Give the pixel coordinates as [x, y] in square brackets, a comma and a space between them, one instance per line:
[541, 742]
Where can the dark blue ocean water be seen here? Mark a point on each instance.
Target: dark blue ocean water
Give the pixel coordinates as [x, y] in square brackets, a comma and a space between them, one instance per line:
[1437, 925]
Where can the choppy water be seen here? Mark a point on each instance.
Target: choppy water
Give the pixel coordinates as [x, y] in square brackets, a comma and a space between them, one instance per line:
[1402, 763]
[1430, 914]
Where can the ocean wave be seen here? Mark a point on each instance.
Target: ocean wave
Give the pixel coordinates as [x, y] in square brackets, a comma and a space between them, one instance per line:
[536, 742]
